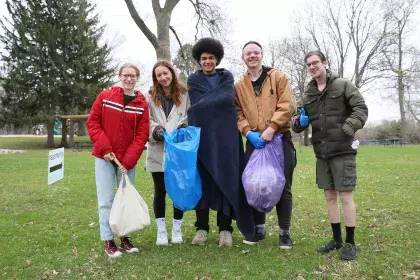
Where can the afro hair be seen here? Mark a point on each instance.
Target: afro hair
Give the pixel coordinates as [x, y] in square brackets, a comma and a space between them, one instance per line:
[208, 45]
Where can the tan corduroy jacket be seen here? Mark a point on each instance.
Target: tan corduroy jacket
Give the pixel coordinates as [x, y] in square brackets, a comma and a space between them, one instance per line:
[273, 107]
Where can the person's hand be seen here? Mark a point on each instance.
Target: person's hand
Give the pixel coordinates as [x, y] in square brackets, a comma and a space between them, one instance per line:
[122, 169]
[109, 156]
[158, 133]
[255, 139]
[268, 134]
[303, 118]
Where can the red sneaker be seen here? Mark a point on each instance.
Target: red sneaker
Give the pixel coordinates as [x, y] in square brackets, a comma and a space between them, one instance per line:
[111, 249]
[128, 246]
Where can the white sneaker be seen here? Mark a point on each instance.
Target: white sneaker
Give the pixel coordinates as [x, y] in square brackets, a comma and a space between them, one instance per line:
[200, 237]
[162, 234]
[176, 232]
[162, 238]
[225, 238]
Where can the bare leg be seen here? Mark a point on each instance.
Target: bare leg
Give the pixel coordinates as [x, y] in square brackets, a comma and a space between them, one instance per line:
[349, 208]
[332, 203]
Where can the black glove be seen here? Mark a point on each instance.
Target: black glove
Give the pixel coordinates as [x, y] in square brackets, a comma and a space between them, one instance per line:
[157, 133]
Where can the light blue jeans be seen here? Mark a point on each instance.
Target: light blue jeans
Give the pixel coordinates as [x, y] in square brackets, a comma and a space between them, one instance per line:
[107, 179]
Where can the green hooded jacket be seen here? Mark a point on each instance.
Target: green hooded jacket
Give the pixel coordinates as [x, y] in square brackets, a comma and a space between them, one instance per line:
[335, 115]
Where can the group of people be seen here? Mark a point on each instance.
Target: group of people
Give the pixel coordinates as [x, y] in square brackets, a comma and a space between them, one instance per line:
[258, 106]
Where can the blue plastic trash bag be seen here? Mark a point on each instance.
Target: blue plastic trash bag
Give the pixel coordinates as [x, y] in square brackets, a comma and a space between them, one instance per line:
[182, 181]
[263, 178]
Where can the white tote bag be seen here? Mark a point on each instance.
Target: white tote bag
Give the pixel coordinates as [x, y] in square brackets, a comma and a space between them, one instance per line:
[129, 211]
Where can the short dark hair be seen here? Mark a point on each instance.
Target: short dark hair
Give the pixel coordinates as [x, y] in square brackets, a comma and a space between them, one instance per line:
[209, 45]
[251, 42]
[318, 53]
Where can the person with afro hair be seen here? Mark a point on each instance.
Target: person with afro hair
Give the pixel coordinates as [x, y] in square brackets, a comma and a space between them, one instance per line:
[220, 155]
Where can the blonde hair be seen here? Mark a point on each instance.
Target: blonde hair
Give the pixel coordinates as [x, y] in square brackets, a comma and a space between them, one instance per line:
[129, 65]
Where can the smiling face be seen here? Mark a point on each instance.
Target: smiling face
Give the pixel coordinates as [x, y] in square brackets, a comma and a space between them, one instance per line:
[128, 78]
[208, 63]
[252, 55]
[316, 67]
[163, 76]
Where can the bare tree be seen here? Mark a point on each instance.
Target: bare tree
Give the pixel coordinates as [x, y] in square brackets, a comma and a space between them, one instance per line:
[326, 26]
[399, 54]
[349, 30]
[209, 17]
[412, 87]
[367, 27]
[287, 54]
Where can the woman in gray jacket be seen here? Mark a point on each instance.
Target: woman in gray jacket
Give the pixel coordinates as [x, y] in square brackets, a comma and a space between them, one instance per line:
[168, 105]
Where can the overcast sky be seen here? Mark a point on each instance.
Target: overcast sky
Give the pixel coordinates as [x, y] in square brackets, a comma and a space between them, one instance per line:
[251, 20]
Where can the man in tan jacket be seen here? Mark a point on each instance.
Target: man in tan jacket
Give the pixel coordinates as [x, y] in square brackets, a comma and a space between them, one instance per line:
[265, 107]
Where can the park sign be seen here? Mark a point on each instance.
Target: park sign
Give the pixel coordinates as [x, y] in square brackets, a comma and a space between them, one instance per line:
[55, 165]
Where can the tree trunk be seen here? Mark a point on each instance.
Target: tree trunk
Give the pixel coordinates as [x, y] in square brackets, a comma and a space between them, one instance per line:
[71, 133]
[82, 128]
[400, 85]
[50, 134]
[64, 133]
[163, 50]
[401, 103]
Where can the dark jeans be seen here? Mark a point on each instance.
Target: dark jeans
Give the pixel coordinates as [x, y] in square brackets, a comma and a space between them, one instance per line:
[223, 222]
[159, 202]
[284, 206]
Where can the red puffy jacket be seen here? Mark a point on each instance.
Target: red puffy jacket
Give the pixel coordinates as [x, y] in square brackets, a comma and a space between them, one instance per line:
[116, 128]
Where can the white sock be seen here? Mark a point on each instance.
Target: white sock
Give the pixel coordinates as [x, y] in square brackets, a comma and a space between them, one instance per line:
[177, 223]
[160, 223]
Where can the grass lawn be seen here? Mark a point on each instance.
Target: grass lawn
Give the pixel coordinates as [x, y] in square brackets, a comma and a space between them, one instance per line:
[51, 232]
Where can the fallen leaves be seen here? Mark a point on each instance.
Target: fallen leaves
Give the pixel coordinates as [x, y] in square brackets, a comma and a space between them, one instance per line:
[412, 275]
[202, 278]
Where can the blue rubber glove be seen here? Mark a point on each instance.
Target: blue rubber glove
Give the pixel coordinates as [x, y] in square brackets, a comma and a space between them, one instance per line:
[303, 118]
[255, 139]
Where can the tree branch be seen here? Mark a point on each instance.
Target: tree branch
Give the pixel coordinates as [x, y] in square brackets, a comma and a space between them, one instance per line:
[140, 23]
[411, 110]
[210, 16]
[179, 41]
[170, 5]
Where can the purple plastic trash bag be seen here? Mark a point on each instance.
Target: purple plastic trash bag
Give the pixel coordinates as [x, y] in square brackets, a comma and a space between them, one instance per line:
[263, 178]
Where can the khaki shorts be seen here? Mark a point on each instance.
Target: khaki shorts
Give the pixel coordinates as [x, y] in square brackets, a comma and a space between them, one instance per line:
[336, 173]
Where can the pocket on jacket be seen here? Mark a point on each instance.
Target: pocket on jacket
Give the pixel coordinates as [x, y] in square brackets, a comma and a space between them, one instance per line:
[335, 101]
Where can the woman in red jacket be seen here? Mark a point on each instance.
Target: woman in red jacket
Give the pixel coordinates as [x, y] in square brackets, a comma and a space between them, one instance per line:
[118, 126]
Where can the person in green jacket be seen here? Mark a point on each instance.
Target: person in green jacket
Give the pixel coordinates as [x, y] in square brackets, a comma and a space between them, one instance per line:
[336, 110]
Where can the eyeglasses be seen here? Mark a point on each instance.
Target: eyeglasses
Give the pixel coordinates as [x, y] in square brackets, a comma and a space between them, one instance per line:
[126, 76]
[313, 63]
[252, 52]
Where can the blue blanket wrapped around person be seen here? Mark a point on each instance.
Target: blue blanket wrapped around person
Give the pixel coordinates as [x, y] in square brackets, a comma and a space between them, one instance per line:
[220, 154]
